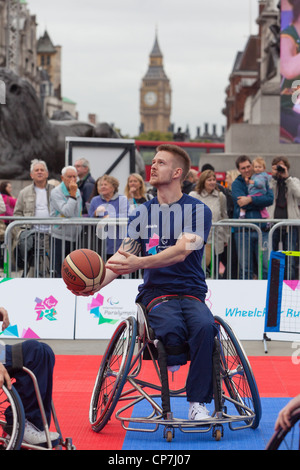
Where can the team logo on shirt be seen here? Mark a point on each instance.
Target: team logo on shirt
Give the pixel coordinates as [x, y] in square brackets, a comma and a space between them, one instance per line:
[151, 247]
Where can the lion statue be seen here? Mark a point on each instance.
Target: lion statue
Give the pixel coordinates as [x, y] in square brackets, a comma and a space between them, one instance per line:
[26, 134]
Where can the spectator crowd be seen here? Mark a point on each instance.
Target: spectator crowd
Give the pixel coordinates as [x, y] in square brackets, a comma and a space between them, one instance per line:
[249, 192]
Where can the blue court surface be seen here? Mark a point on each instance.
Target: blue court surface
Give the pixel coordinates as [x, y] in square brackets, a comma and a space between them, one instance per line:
[245, 439]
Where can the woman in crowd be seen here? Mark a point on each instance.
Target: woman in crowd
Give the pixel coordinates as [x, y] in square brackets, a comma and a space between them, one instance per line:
[135, 191]
[207, 191]
[9, 200]
[231, 175]
[108, 203]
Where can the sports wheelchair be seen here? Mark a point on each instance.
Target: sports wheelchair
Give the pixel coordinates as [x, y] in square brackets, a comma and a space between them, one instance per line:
[120, 376]
[12, 432]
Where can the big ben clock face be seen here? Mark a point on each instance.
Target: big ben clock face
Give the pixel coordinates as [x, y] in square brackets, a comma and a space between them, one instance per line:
[150, 98]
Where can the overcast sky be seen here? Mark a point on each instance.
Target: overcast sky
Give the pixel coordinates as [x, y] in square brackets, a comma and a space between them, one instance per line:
[106, 47]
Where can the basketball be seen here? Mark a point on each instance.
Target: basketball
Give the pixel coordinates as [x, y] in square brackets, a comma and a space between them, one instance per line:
[83, 272]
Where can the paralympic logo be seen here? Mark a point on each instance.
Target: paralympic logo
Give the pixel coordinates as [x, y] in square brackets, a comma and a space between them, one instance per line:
[95, 308]
[151, 247]
[112, 301]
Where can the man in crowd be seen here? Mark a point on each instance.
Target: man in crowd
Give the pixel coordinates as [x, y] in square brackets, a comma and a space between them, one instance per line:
[34, 201]
[65, 202]
[247, 241]
[190, 181]
[85, 181]
[286, 190]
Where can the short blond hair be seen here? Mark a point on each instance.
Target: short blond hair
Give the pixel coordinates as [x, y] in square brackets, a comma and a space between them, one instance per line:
[182, 157]
[259, 160]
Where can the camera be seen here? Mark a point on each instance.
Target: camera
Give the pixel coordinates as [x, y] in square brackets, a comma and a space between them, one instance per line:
[280, 169]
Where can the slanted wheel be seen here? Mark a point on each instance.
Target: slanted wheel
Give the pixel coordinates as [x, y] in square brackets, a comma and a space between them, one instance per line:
[237, 374]
[112, 374]
[287, 439]
[12, 419]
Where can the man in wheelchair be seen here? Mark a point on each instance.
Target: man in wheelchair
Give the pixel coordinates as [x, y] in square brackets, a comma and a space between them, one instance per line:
[166, 238]
[40, 359]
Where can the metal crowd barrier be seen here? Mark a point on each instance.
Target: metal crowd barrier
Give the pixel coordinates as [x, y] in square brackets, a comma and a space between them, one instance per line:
[31, 249]
[245, 255]
[253, 240]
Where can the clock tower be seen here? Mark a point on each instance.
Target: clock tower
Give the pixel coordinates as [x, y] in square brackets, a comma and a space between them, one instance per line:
[155, 95]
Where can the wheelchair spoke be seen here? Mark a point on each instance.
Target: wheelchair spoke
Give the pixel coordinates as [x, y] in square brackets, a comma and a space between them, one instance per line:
[12, 419]
[111, 375]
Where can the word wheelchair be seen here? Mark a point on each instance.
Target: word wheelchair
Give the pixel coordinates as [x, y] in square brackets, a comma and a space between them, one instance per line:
[120, 380]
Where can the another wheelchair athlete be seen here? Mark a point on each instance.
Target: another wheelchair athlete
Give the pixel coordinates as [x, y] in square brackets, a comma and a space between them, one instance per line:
[40, 359]
[166, 238]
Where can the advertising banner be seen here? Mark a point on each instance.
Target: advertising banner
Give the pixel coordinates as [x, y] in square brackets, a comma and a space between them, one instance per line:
[38, 308]
[98, 316]
[44, 308]
[290, 73]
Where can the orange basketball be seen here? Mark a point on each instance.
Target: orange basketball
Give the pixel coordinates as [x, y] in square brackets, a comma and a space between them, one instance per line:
[83, 272]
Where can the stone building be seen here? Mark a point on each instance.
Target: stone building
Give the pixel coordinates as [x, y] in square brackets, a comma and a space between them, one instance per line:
[252, 105]
[18, 40]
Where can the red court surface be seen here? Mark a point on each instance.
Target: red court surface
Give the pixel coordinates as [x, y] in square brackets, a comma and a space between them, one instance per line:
[74, 378]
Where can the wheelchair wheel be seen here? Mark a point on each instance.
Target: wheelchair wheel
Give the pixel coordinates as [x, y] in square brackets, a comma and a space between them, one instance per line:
[287, 439]
[12, 419]
[112, 374]
[237, 374]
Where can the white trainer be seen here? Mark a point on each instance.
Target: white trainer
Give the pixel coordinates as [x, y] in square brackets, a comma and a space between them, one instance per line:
[198, 411]
[34, 436]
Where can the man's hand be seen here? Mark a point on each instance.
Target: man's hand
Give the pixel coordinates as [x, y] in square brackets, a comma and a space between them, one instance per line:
[283, 419]
[129, 263]
[73, 188]
[4, 377]
[244, 200]
[4, 318]
[284, 173]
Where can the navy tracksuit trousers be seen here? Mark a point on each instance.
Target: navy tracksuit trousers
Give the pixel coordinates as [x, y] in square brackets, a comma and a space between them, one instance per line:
[40, 359]
[180, 320]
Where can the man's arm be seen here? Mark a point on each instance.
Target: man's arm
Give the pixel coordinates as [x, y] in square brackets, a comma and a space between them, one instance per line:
[19, 207]
[128, 246]
[283, 419]
[293, 185]
[127, 262]
[259, 202]
[4, 375]
[249, 203]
